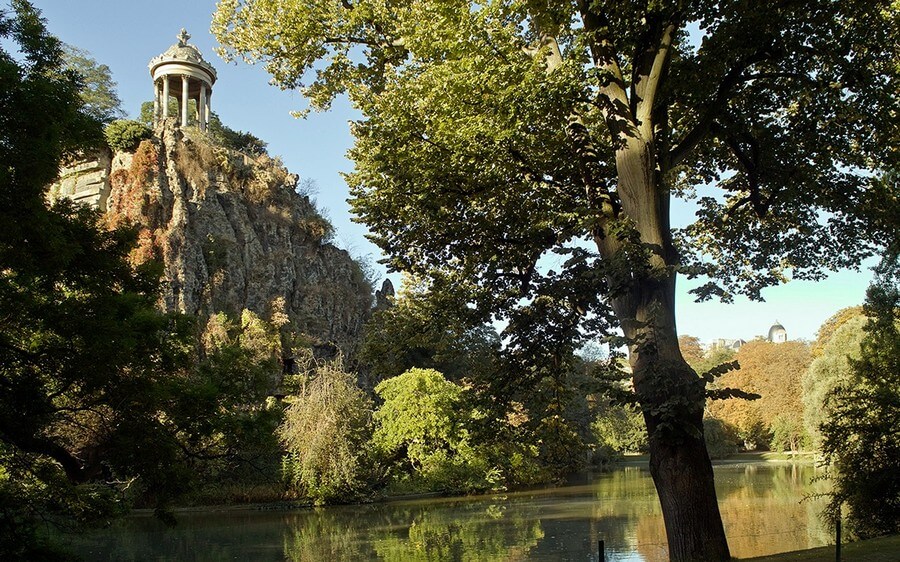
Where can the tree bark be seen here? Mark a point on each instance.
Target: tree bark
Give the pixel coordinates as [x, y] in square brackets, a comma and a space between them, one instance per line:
[671, 395]
[672, 399]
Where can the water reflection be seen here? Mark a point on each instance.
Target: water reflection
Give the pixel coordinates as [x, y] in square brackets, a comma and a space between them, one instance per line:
[761, 507]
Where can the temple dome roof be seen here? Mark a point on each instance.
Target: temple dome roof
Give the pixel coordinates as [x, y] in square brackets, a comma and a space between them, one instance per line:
[184, 53]
[776, 328]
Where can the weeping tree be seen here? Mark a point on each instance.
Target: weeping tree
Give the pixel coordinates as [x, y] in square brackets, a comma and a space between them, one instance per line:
[524, 155]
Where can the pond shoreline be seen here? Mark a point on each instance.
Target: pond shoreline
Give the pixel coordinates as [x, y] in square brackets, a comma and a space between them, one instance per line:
[881, 549]
[760, 503]
[628, 461]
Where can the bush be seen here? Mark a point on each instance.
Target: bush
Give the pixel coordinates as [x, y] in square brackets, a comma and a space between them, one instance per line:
[325, 431]
[422, 426]
[722, 438]
[788, 434]
[126, 135]
[620, 429]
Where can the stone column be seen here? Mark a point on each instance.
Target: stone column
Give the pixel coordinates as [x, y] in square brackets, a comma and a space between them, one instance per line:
[201, 106]
[155, 102]
[184, 100]
[208, 106]
[165, 100]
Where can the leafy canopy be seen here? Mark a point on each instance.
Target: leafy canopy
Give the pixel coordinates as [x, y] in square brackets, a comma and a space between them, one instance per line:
[101, 101]
[464, 167]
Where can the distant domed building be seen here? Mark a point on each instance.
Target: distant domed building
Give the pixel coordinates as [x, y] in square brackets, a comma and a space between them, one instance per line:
[777, 333]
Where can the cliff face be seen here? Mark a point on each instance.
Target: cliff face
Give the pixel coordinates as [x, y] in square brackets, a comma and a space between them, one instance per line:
[233, 234]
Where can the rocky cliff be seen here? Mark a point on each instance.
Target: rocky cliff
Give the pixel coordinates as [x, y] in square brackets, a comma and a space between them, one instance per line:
[232, 232]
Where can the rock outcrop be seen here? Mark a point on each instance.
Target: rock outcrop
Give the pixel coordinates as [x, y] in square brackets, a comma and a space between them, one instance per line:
[232, 232]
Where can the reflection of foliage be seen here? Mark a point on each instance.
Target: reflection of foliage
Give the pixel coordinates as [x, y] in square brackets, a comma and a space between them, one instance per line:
[478, 534]
[780, 521]
[331, 534]
[860, 435]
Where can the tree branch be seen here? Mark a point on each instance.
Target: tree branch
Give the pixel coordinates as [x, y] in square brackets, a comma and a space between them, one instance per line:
[645, 87]
[612, 96]
[724, 93]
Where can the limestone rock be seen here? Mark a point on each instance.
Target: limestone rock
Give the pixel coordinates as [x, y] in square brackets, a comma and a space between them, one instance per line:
[233, 234]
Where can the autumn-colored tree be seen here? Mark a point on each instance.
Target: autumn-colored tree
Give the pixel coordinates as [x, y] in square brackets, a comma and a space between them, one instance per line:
[830, 326]
[691, 350]
[774, 371]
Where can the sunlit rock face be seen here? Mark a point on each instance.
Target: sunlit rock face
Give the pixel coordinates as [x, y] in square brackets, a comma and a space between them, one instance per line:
[231, 231]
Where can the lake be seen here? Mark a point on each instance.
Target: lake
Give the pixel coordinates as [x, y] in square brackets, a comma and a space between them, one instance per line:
[763, 507]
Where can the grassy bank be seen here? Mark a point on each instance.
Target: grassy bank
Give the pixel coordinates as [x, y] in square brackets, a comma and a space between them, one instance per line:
[737, 458]
[883, 549]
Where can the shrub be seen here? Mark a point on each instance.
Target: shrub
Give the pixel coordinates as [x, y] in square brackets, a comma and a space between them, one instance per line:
[325, 432]
[422, 426]
[722, 439]
[125, 134]
[620, 429]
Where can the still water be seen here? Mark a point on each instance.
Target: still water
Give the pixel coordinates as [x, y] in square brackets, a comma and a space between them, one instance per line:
[763, 507]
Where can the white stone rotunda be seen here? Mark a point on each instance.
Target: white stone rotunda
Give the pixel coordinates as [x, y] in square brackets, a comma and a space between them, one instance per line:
[182, 73]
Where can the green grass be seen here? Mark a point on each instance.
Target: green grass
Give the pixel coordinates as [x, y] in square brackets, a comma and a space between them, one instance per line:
[883, 549]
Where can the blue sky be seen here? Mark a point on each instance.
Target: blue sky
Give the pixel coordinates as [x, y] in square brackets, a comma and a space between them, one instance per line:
[126, 34]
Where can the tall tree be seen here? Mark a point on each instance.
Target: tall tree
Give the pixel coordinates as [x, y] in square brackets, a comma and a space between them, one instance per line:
[830, 369]
[860, 431]
[98, 92]
[498, 133]
[87, 363]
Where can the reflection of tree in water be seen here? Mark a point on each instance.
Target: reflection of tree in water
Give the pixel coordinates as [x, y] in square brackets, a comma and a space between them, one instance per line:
[329, 534]
[766, 510]
[415, 532]
[200, 537]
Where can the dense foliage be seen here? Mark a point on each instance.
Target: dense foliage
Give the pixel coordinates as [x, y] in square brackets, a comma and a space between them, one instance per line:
[218, 132]
[125, 134]
[420, 331]
[500, 140]
[326, 432]
[831, 368]
[105, 402]
[424, 423]
[98, 88]
[773, 371]
[860, 436]
[82, 349]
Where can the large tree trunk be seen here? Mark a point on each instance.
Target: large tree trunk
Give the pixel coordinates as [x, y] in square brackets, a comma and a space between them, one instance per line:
[671, 395]
[672, 399]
